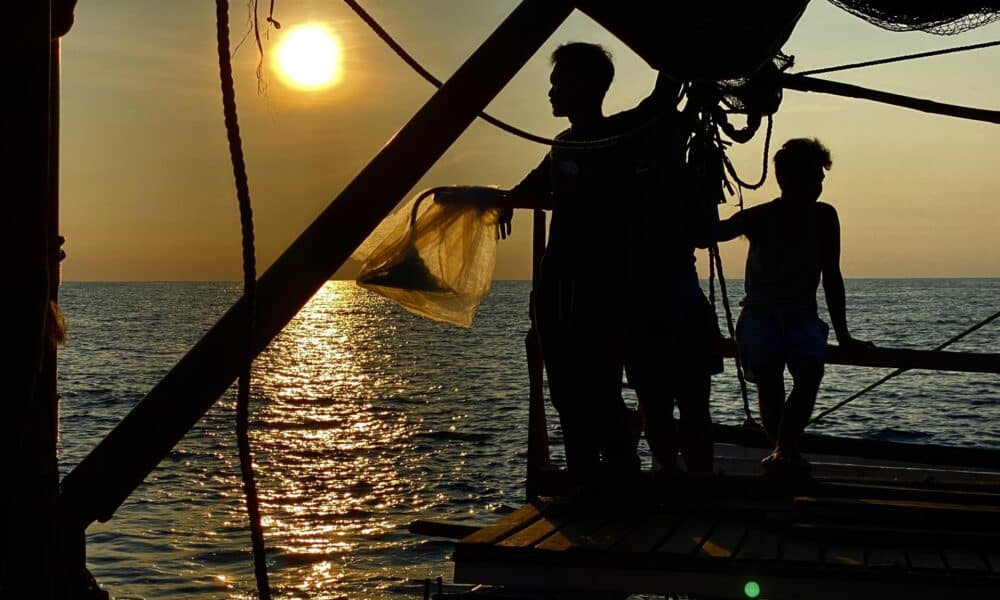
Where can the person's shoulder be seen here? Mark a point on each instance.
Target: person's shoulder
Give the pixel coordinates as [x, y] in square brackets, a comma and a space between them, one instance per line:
[760, 210]
[826, 211]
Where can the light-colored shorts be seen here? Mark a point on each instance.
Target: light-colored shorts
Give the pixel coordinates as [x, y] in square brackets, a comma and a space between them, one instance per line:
[779, 336]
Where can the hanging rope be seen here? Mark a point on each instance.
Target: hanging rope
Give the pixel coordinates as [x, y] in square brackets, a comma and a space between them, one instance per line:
[900, 371]
[249, 294]
[502, 125]
[717, 259]
[885, 61]
[763, 169]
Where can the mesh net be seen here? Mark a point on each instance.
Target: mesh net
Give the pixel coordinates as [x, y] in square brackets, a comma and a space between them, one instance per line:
[942, 17]
[435, 256]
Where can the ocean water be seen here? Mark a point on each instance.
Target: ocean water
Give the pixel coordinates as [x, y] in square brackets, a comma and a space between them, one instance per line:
[365, 418]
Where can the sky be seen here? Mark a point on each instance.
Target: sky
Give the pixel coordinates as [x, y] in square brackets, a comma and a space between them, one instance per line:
[147, 190]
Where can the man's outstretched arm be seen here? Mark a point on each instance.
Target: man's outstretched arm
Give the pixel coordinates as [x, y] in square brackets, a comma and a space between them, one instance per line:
[534, 191]
[833, 280]
[731, 228]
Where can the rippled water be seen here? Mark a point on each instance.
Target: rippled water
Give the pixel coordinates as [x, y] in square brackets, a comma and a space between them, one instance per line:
[365, 418]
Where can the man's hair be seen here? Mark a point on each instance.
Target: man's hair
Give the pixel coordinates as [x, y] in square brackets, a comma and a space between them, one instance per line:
[801, 152]
[590, 59]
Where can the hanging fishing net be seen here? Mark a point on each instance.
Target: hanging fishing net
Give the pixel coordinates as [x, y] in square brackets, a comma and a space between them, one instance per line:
[435, 256]
[944, 17]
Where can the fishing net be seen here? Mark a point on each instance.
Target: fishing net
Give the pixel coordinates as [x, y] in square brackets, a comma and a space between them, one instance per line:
[941, 17]
[435, 256]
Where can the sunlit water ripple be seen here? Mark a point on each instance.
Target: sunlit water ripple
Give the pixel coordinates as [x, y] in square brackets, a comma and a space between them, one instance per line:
[365, 418]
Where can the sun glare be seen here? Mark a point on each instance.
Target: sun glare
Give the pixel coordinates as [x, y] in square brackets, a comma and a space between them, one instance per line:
[309, 57]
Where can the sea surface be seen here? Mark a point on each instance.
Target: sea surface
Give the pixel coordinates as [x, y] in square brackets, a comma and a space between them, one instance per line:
[365, 417]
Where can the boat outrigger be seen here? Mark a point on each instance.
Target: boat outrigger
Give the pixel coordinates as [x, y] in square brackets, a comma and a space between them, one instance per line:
[877, 519]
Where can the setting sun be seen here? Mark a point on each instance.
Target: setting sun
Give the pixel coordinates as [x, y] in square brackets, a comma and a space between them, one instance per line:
[309, 57]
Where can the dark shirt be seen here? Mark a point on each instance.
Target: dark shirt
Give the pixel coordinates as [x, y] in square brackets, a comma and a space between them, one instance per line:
[614, 217]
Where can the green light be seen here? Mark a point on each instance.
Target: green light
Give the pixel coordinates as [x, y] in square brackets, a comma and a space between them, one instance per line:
[751, 589]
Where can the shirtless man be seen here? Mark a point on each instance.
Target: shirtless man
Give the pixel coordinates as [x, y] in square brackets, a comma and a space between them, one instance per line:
[794, 241]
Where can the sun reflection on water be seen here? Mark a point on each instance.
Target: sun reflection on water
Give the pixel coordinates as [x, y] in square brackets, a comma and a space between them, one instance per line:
[333, 467]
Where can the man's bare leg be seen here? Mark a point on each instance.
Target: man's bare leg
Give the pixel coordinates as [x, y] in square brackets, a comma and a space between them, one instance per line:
[807, 375]
[770, 381]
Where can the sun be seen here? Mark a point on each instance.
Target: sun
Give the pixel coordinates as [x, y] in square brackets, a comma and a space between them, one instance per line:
[309, 57]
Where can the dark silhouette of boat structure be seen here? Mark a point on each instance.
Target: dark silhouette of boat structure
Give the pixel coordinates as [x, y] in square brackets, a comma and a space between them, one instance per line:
[879, 519]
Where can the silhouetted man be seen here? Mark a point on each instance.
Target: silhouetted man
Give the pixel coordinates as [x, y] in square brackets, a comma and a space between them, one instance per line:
[794, 240]
[584, 300]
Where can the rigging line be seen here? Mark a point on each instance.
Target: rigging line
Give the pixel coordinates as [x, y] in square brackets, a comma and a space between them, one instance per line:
[902, 370]
[249, 293]
[836, 88]
[502, 125]
[714, 254]
[884, 61]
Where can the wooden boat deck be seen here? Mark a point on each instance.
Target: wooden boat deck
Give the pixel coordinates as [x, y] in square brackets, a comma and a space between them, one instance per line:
[709, 536]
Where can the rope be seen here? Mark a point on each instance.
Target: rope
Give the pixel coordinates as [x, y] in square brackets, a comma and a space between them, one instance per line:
[502, 125]
[717, 258]
[883, 61]
[249, 294]
[763, 170]
[902, 370]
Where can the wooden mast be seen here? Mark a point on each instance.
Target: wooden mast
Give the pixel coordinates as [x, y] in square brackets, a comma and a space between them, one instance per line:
[30, 563]
[99, 484]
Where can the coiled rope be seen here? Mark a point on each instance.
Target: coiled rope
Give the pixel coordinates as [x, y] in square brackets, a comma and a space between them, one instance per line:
[249, 294]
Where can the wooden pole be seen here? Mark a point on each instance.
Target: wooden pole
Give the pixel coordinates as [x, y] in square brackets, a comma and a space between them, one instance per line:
[902, 358]
[28, 559]
[538, 435]
[99, 484]
[823, 86]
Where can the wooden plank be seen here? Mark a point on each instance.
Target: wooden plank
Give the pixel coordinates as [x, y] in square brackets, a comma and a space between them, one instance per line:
[448, 529]
[536, 532]
[651, 532]
[575, 534]
[610, 533]
[926, 559]
[515, 521]
[895, 536]
[843, 554]
[883, 512]
[759, 543]
[965, 560]
[801, 551]
[724, 540]
[688, 536]
[885, 557]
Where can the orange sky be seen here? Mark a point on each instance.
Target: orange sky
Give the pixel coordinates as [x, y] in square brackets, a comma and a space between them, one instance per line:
[147, 189]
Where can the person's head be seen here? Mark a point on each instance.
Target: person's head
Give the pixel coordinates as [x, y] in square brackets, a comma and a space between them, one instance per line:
[799, 168]
[581, 76]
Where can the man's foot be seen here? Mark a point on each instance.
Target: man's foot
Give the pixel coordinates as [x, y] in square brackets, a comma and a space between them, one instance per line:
[786, 464]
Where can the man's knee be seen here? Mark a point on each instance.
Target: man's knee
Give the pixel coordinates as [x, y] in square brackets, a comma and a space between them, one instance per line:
[806, 371]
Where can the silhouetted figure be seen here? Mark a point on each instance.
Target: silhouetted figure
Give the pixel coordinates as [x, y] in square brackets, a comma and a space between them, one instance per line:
[794, 240]
[583, 302]
[673, 339]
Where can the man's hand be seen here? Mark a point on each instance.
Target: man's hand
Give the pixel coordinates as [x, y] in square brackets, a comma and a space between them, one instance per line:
[853, 344]
[503, 223]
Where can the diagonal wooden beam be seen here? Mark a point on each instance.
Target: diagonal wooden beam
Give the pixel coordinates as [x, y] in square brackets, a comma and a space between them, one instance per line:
[102, 481]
